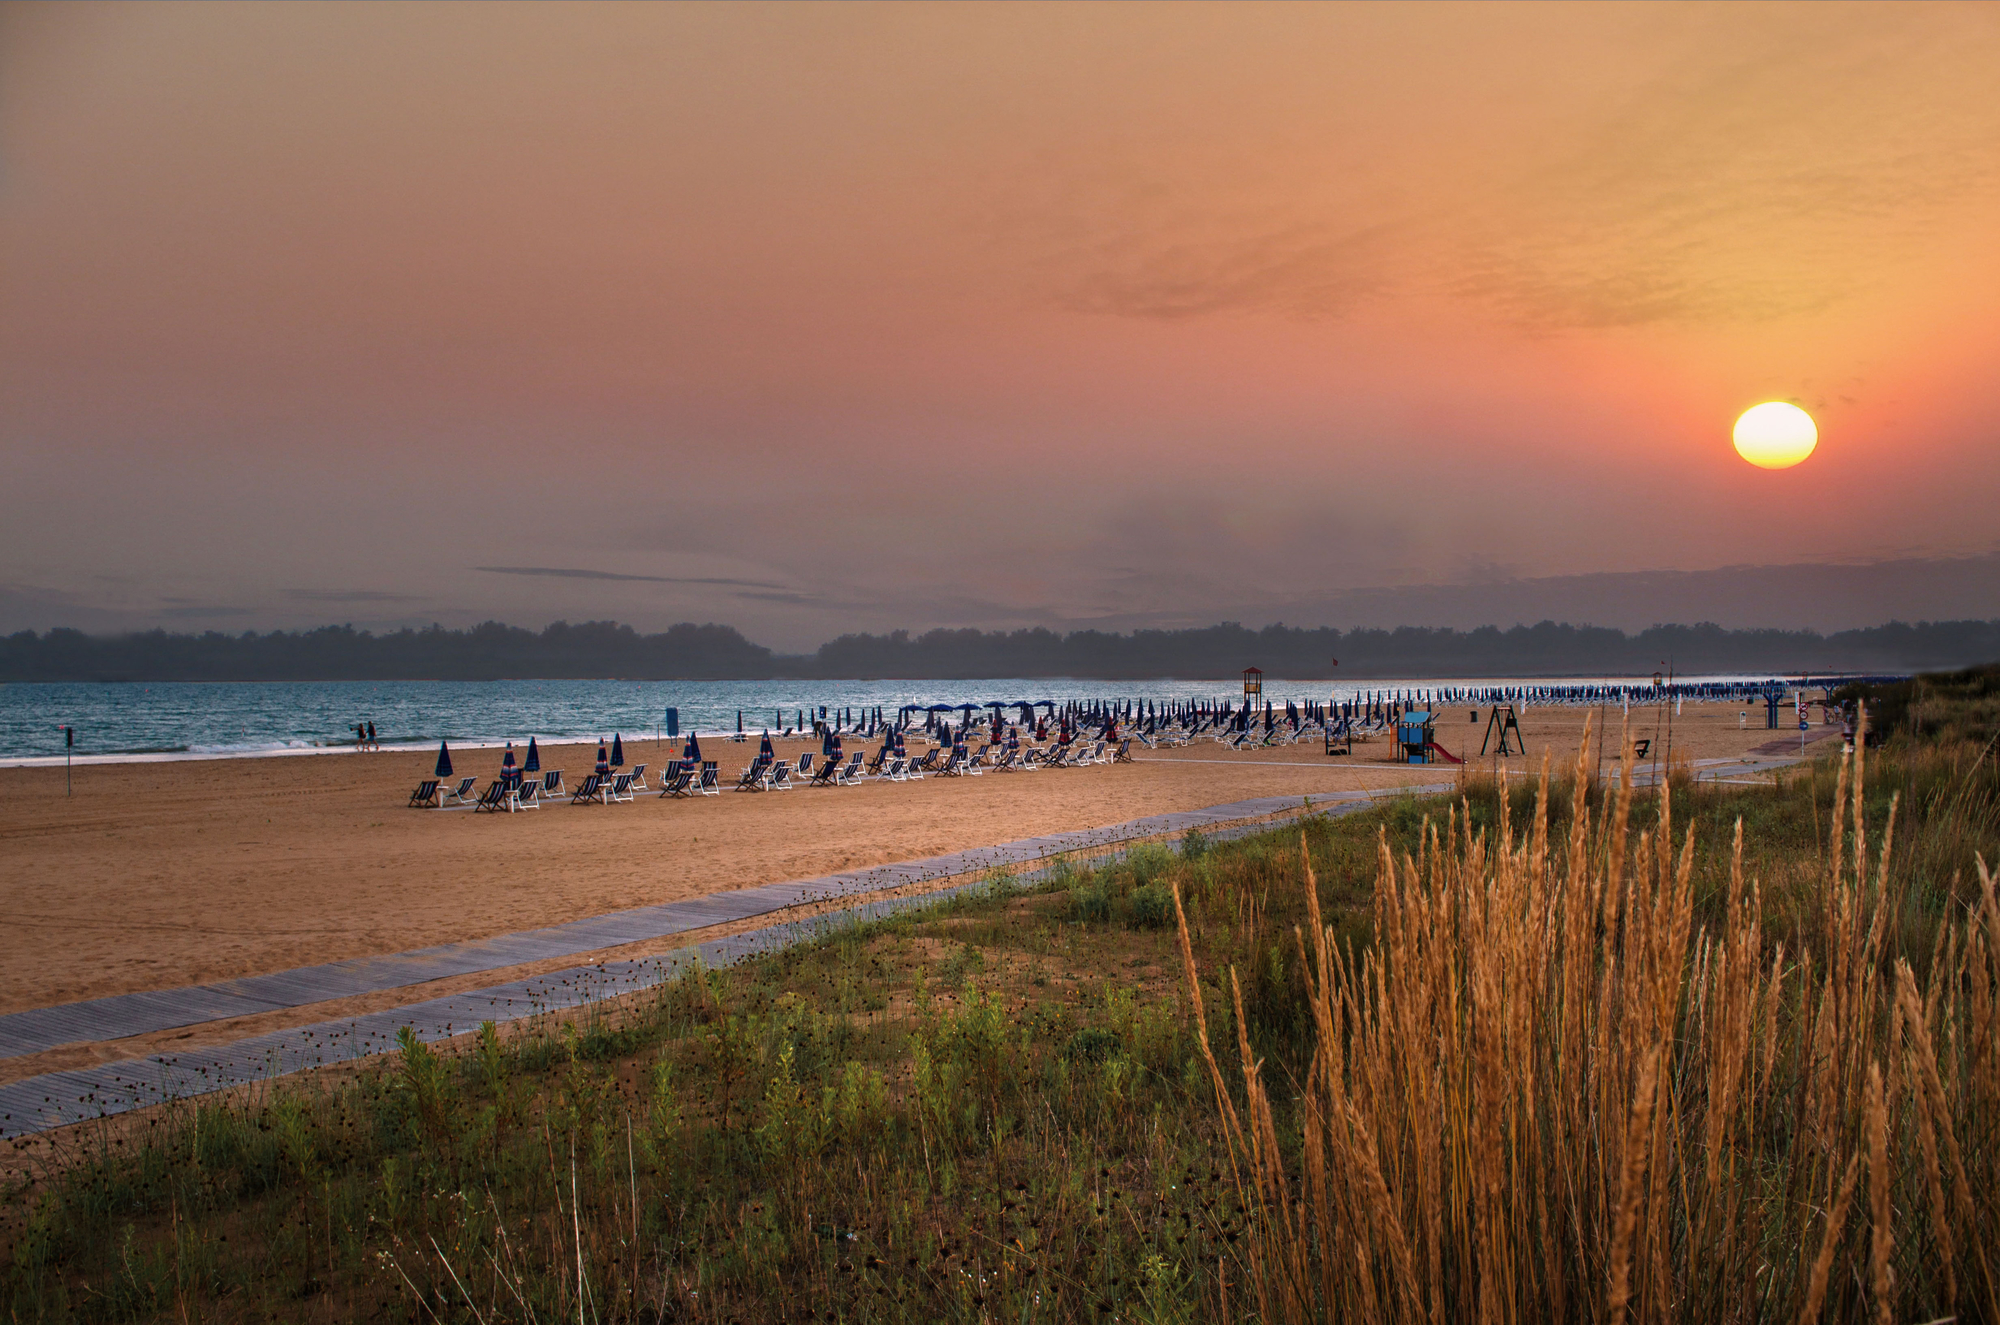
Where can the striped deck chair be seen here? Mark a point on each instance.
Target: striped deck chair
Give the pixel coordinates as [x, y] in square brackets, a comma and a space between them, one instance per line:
[552, 783]
[639, 778]
[898, 770]
[679, 782]
[493, 799]
[780, 778]
[586, 790]
[462, 793]
[425, 797]
[529, 796]
[828, 774]
[621, 788]
[851, 775]
[1123, 755]
[753, 778]
[711, 779]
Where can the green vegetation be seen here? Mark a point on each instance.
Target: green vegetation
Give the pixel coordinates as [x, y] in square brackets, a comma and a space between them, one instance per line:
[1006, 1108]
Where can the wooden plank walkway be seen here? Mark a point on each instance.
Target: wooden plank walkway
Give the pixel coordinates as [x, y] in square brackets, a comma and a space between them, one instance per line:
[55, 1099]
[122, 1015]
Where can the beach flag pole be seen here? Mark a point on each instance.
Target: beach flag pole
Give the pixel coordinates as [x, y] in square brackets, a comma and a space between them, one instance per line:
[69, 745]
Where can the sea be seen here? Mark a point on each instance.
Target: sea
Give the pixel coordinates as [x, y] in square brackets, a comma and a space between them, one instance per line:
[145, 721]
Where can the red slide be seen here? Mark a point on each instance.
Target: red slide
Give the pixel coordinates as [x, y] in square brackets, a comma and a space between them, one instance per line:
[1445, 754]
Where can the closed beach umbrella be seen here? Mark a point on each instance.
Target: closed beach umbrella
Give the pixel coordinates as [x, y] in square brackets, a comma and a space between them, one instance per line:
[764, 746]
[829, 741]
[739, 719]
[603, 758]
[507, 769]
[533, 763]
[691, 752]
[617, 750]
[444, 760]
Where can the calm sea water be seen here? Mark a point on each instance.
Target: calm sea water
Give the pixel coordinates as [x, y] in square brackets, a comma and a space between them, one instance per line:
[218, 719]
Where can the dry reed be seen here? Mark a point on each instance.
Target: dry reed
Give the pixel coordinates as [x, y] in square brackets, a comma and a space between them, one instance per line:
[1546, 1094]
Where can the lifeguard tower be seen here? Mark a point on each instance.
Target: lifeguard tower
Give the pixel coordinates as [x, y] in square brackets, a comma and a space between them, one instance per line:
[1253, 688]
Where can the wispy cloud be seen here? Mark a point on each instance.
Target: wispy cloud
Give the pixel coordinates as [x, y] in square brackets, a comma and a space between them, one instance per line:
[573, 573]
[348, 596]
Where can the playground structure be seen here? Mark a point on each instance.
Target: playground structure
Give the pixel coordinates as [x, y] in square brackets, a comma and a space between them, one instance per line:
[1507, 727]
[1416, 741]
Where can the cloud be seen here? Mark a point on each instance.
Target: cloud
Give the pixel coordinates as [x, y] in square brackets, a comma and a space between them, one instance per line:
[199, 611]
[570, 573]
[349, 596]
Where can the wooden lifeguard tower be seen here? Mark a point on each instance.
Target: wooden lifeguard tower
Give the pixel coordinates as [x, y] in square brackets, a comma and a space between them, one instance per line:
[1253, 688]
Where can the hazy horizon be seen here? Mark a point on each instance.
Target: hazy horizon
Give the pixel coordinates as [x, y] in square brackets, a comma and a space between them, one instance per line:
[811, 319]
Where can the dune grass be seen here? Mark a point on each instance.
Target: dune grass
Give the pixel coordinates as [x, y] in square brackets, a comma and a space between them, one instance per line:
[1529, 1056]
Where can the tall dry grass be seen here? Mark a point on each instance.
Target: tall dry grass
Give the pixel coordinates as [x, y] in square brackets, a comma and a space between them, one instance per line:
[1548, 1094]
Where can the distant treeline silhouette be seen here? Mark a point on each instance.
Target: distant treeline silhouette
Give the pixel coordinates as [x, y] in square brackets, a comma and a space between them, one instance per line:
[592, 649]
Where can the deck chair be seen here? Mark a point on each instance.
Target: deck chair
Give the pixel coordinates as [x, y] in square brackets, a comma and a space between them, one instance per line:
[493, 799]
[586, 790]
[879, 762]
[898, 770]
[1641, 746]
[753, 776]
[639, 778]
[679, 782]
[621, 788]
[828, 775]
[780, 778]
[710, 783]
[552, 783]
[425, 797]
[805, 765]
[529, 797]
[851, 775]
[462, 793]
[1123, 755]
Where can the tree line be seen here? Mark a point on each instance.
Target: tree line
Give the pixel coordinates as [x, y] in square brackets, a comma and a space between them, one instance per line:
[493, 651]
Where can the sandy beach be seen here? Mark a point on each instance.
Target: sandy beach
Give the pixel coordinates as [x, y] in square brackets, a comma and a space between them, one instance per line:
[158, 875]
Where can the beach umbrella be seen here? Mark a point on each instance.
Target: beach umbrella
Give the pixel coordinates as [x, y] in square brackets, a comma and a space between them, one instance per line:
[764, 746]
[507, 770]
[444, 760]
[691, 752]
[829, 741]
[617, 750]
[533, 763]
[739, 719]
[603, 758]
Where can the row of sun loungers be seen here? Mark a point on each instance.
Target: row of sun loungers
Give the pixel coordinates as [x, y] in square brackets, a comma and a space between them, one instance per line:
[682, 780]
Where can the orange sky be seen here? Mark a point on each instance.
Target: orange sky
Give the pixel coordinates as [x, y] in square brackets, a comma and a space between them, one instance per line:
[854, 317]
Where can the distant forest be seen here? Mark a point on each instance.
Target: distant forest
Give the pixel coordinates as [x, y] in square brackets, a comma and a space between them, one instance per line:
[605, 649]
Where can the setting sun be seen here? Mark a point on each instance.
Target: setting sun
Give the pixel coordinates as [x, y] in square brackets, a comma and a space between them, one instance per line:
[1775, 435]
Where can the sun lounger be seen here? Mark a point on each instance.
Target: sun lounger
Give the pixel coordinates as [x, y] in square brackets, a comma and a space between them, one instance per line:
[639, 778]
[493, 799]
[587, 790]
[425, 797]
[462, 793]
[621, 788]
[710, 783]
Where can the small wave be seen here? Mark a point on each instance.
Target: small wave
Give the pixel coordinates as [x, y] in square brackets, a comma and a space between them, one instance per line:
[252, 747]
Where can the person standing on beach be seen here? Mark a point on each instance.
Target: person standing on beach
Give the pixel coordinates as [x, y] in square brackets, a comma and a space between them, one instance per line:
[373, 744]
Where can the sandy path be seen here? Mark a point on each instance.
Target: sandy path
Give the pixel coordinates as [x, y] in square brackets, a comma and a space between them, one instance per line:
[155, 875]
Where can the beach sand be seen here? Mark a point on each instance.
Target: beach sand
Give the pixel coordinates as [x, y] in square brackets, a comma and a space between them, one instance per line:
[164, 874]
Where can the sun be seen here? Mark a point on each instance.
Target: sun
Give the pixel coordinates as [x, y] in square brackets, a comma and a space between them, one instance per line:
[1775, 435]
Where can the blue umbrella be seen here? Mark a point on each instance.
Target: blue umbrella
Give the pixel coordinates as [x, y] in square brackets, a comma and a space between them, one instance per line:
[617, 750]
[507, 770]
[603, 759]
[533, 763]
[764, 747]
[444, 760]
[691, 753]
[827, 742]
